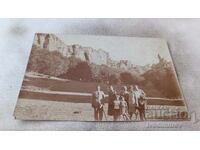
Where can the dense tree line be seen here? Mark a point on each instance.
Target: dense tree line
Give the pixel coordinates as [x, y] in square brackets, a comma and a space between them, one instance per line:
[81, 72]
[162, 79]
[49, 62]
[159, 80]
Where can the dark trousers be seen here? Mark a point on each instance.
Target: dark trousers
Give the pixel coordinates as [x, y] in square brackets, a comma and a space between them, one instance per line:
[142, 111]
[98, 113]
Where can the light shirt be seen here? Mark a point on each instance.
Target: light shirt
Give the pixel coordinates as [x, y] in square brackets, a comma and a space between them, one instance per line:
[99, 96]
[138, 94]
[116, 104]
[132, 98]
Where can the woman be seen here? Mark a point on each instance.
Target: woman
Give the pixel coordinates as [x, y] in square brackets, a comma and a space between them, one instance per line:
[111, 97]
[124, 93]
[116, 109]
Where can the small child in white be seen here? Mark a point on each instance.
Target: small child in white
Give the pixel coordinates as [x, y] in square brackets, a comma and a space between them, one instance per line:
[124, 109]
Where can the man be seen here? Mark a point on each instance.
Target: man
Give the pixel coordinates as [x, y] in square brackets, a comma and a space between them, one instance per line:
[111, 97]
[98, 98]
[140, 97]
[133, 104]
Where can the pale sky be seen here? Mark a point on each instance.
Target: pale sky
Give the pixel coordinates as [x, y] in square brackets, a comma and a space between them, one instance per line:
[140, 51]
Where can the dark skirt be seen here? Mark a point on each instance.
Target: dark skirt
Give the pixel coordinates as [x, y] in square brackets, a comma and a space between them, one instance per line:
[116, 114]
[132, 108]
[110, 109]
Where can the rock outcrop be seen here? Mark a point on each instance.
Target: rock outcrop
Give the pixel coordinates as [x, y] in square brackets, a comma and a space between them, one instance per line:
[89, 54]
[99, 57]
[53, 43]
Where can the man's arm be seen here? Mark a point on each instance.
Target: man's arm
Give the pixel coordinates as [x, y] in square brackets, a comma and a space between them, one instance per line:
[93, 99]
[143, 93]
[103, 98]
[136, 99]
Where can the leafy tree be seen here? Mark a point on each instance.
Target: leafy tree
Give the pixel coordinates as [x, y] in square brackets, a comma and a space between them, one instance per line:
[163, 79]
[46, 62]
[81, 71]
[126, 78]
[113, 79]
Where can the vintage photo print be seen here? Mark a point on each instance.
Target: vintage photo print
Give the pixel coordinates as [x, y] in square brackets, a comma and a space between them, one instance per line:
[100, 78]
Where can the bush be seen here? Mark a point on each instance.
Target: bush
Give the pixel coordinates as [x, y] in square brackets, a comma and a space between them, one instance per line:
[126, 78]
[50, 62]
[81, 72]
[113, 79]
[163, 79]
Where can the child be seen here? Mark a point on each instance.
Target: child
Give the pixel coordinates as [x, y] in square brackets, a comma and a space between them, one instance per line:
[124, 108]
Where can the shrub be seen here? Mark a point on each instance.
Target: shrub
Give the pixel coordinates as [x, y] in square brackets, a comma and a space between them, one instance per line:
[126, 78]
[81, 71]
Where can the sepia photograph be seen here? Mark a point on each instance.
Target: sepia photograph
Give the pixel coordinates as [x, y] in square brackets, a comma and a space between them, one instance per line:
[100, 78]
[108, 68]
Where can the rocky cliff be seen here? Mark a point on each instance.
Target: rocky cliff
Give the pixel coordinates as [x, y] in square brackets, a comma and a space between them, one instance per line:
[53, 43]
[99, 57]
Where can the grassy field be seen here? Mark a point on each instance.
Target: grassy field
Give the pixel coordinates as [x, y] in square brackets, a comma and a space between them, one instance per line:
[48, 104]
[69, 86]
[74, 86]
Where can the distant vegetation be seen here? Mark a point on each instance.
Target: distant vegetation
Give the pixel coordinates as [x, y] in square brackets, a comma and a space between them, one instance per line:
[50, 63]
[81, 72]
[159, 80]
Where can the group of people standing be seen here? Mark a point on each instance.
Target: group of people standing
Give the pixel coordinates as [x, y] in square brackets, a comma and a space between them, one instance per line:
[122, 105]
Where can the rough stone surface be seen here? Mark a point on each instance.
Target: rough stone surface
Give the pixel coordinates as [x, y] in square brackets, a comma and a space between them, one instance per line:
[54, 43]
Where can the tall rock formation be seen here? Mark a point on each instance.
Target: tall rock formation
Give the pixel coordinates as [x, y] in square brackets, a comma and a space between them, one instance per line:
[53, 43]
[99, 57]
